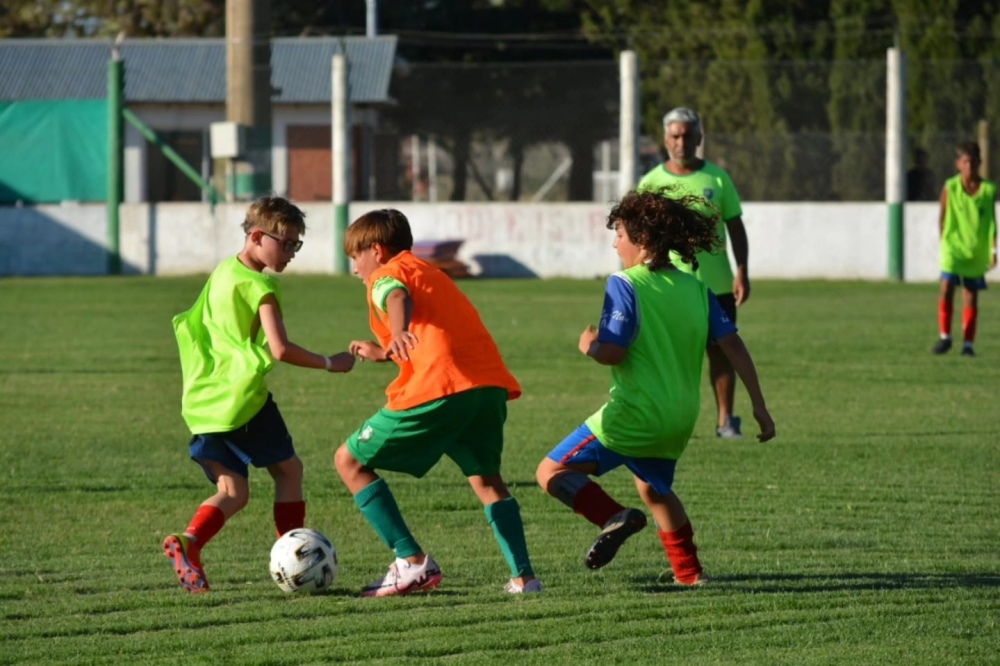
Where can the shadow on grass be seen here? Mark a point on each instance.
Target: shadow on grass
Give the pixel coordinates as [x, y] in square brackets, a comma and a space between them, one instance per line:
[784, 583]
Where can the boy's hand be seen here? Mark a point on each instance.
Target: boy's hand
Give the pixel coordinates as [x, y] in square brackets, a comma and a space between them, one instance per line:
[765, 422]
[587, 338]
[367, 350]
[342, 362]
[401, 344]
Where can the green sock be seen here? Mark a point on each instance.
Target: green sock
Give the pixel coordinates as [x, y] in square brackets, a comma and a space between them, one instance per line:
[379, 508]
[505, 519]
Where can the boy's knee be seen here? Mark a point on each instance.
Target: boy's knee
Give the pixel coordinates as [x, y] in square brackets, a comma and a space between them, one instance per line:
[343, 460]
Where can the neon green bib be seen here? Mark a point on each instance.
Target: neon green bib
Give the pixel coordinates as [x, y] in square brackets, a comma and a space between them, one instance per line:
[223, 359]
[655, 391]
[969, 230]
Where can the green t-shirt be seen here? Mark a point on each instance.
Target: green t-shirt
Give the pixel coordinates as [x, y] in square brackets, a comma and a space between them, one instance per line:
[970, 229]
[656, 390]
[712, 183]
[221, 344]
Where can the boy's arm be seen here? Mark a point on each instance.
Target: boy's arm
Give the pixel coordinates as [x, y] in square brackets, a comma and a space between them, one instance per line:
[399, 308]
[605, 353]
[732, 345]
[286, 351]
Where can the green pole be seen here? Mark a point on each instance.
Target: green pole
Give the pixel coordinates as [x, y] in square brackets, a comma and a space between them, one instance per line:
[340, 221]
[896, 253]
[116, 78]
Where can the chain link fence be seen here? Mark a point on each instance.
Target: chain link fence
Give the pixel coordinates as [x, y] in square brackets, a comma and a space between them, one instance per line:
[786, 131]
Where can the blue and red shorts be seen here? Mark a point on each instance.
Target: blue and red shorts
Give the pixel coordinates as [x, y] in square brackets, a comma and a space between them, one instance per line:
[582, 447]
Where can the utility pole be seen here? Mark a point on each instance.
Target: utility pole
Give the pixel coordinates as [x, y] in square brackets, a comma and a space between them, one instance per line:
[248, 92]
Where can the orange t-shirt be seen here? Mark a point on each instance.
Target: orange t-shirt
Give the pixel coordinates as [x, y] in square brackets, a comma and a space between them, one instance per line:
[454, 351]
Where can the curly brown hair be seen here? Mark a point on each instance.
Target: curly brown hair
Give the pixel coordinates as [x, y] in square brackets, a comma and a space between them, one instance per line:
[664, 219]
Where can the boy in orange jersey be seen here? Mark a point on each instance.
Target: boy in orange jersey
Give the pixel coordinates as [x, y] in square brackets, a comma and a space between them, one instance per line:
[450, 398]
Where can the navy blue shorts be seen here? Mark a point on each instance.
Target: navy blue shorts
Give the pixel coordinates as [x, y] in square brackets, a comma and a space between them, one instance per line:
[262, 442]
[582, 447]
[972, 284]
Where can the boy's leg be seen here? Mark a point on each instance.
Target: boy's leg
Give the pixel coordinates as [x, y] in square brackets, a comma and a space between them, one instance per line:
[945, 312]
[377, 504]
[413, 570]
[569, 483]
[675, 532]
[970, 315]
[289, 504]
[184, 550]
[504, 516]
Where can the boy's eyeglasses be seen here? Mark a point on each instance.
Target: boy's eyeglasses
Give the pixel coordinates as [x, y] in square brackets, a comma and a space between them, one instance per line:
[287, 244]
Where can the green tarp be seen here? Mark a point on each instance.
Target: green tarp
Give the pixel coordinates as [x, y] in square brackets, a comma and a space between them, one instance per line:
[53, 151]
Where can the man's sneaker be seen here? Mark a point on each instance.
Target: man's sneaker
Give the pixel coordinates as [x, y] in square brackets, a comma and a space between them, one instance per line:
[967, 351]
[190, 576]
[619, 527]
[404, 578]
[731, 430]
[533, 585]
[942, 346]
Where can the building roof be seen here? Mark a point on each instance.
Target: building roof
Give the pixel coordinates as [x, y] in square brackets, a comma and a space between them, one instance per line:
[190, 70]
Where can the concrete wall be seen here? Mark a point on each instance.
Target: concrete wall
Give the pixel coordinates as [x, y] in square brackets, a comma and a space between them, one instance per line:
[787, 240]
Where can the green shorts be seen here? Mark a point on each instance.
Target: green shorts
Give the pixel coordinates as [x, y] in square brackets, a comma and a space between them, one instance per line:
[467, 427]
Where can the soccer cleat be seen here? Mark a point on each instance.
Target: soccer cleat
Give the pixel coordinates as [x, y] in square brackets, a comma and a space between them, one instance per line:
[967, 351]
[191, 577]
[619, 527]
[699, 580]
[533, 585]
[942, 346]
[404, 578]
[731, 430]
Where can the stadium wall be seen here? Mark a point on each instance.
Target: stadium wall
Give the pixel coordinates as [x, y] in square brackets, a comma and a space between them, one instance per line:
[834, 241]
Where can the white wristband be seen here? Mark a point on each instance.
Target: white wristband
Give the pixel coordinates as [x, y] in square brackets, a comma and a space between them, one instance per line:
[329, 363]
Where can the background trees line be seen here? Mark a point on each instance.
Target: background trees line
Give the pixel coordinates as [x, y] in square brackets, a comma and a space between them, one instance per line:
[792, 91]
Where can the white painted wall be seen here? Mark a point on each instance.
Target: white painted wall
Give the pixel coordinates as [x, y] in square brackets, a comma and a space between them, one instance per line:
[787, 240]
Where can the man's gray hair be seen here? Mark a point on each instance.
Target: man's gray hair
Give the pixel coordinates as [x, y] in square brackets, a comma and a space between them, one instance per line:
[682, 114]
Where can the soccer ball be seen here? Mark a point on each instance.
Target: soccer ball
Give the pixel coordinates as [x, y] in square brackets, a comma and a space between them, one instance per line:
[303, 560]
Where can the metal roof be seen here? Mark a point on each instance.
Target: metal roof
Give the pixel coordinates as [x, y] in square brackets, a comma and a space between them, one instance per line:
[190, 70]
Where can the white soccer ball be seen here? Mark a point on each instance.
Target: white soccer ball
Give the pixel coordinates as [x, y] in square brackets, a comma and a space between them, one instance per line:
[303, 560]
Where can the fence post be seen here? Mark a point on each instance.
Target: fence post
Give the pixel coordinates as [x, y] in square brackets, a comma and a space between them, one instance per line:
[115, 171]
[895, 157]
[628, 121]
[341, 154]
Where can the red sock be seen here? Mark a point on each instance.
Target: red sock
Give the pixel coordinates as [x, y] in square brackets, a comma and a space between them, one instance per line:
[682, 553]
[289, 515]
[969, 315]
[944, 317]
[595, 505]
[207, 522]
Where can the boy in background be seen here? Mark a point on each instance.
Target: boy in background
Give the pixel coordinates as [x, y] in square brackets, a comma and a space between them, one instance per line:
[968, 231]
[226, 403]
[450, 398]
[655, 323]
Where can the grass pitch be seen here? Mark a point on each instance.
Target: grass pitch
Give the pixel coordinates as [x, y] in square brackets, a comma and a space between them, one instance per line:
[867, 532]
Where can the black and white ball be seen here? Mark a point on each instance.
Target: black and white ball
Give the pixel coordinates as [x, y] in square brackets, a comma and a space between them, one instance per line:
[303, 560]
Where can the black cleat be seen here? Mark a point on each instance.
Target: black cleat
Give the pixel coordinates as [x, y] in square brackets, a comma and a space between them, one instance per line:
[942, 346]
[620, 527]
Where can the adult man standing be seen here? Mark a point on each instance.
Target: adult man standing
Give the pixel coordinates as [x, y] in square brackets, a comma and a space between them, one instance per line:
[692, 175]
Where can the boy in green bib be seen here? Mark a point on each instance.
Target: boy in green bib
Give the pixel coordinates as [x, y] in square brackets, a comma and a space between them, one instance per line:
[968, 227]
[228, 341]
[655, 324]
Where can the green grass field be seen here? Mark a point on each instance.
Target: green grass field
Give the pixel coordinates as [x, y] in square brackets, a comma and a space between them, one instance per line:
[866, 533]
